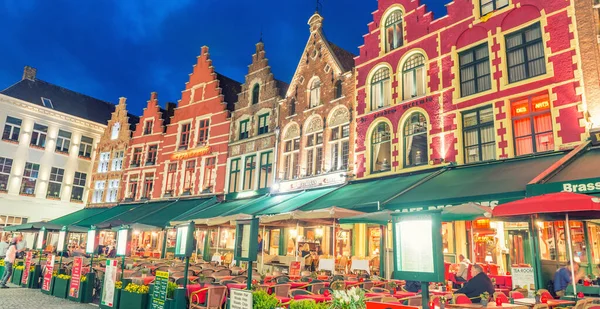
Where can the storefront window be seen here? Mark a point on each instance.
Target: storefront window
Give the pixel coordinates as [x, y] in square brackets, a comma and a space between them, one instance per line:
[343, 244]
[594, 233]
[374, 241]
[553, 241]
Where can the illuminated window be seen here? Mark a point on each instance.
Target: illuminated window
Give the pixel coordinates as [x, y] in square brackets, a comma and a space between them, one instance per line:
[532, 125]
[381, 148]
[38, 136]
[55, 182]
[63, 141]
[314, 154]
[188, 184]
[415, 140]
[249, 170]
[244, 129]
[136, 157]
[85, 147]
[12, 128]
[117, 161]
[184, 136]
[315, 93]
[290, 158]
[103, 162]
[78, 186]
[479, 137]
[340, 147]
[265, 177]
[208, 184]
[132, 187]
[263, 124]
[525, 53]
[234, 174]
[171, 179]
[116, 128]
[98, 191]
[148, 186]
[5, 169]
[413, 77]
[152, 153]
[381, 89]
[113, 189]
[203, 128]
[474, 70]
[393, 31]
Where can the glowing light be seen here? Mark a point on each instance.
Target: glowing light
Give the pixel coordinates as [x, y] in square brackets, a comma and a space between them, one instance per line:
[319, 232]
[293, 233]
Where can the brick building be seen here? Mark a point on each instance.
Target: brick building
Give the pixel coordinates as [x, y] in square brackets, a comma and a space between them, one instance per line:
[142, 165]
[254, 128]
[107, 169]
[315, 116]
[193, 153]
[489, 81]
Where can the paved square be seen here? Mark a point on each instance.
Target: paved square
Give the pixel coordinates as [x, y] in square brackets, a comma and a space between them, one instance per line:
[21, 298]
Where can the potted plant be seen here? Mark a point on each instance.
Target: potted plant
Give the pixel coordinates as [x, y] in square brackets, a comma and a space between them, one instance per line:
[262, 300]
[538, 297]
[171, 287]
[393, 286]
[338, 285]
[30, 278]
[353, 298]
[17, 274]
[134, 296]
[61, 285]
[443, 302]
[485, 298]
[307, 304]
[201, 279]
[145, 272]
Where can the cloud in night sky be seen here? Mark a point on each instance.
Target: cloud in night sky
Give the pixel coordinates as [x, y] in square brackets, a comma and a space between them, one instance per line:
[111, 48]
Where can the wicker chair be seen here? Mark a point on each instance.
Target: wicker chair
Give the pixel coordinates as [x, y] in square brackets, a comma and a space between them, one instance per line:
[240, 279]
[294, 292]
[215, 297]
[222, 273]
[281, 290]
[207, 272]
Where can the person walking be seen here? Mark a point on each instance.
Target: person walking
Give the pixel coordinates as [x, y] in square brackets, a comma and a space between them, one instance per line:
[9, 260]
[3, 246]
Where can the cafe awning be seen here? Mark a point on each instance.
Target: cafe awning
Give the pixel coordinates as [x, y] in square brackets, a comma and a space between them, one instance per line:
[163, 217]
[552, 206]
[134, 215]
[283, 210]
[202, 216]
[366, 195]
[110, 213]
[36, 226]
[77, 216]
[487, 183]
[182, 218]
[247, 211]
[463, 212]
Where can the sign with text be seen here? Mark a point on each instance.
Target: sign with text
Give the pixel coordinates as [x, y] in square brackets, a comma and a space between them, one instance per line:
[246, 240]
[295, 268]
[523, 277]
[327, 264]
[76, 277]
[110, 278]
[313, 182]
[240, 299]
[48, 273]
[26, 270]
[584, 186]
[122, 242]
[159, 294]
[184, 243]
[192, 153]
[417, 246]
[92, 241]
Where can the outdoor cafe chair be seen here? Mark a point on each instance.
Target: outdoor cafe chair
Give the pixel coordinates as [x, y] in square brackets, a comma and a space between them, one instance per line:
[281, 279]
[305, 273]
[501, 296]
[389, 299]
[367, 285]
[545, 293]
[207, 272]
[416, 301]
[461, 299]
[281, 290]
[294, 292]
[221, 267]
[379, 290]
[240, 279]
[305, 279]
[315, 287]
[206, 280]
[516, 294]
[374, 298]
[337, 278]
[221, 273]
[226, 282]
[215, 296]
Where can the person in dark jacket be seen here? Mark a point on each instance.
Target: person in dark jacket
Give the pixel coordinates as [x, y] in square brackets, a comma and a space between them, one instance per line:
[478, 284]
[413, 286]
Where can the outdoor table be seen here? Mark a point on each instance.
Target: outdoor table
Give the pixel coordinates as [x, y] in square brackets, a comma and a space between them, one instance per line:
[377, 294]
[190, 278]
[240, 286]
[293, 284]
[294, 277]
[490, 305]
[551, 302]
[147, 280]
[502, 280]
[402, 294]
[439, 292]
[316, 298]
[350, 282]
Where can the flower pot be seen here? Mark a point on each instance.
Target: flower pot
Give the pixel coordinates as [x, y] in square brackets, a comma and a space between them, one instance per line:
[61, 288]
[84, 290]
[133, 300]
[51, 286]
[537, 299]
[484, 302]
[16, 276]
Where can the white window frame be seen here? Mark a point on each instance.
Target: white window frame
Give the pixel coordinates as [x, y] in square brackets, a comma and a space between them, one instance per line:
[41, 131]
[336, 147]
[14, 128]
[99, 187]
[79, 182]
[114, 133]
[103, 162]
[63, 142]
[86, 147]
[113, 189]
[117, 161]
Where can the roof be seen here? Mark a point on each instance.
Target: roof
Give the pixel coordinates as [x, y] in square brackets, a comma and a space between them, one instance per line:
[345, 57]
[230, 89]
[63, 100]
[282, 87]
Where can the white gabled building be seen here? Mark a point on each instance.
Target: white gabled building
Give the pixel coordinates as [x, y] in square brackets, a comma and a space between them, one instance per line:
[49, 137]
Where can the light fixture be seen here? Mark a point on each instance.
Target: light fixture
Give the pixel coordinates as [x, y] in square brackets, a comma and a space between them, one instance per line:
[319, 232]
[293, 233]
[488, 258]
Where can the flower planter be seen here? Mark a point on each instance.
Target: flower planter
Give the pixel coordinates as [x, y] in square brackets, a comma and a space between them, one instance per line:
[133, 300]
[16, 276]
[82, 291]
[51, 286]
[60, 288]
[31, 279]
[1, 271]
[115, 300]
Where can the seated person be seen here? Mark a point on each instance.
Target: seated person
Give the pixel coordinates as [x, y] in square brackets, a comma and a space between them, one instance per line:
[412, 286]
[463, 269]
[478, 284]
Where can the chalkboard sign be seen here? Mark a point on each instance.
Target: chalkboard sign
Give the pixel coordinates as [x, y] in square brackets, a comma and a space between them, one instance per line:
[240, 299]
[159, 294]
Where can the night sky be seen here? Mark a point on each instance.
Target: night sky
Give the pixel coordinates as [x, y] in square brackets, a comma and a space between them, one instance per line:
[113, 48]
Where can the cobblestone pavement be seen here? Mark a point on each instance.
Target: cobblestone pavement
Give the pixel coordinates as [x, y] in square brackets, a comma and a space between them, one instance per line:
[21, 298]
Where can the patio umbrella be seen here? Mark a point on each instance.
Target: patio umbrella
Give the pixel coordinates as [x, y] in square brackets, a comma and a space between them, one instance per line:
[560, 205]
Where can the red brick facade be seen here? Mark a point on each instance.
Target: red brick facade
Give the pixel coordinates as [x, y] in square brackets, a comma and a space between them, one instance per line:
[437, 108]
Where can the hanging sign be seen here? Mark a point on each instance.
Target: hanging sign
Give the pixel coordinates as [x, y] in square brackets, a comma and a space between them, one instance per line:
[123, 242]
[110, 278]
[159, 294]
[62, 237]
[39, 245]
[76, 277]
[48, 274]
[185, 240]
[26, 270]
[92, 241]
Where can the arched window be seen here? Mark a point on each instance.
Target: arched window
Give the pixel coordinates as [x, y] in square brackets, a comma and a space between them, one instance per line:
[255, 93]
[415, 140]
[292, 107]
[393, 31]
[380, 89]
[413, 77]
[381, 148]
[114, 134]
[338, 89]
[315, 93]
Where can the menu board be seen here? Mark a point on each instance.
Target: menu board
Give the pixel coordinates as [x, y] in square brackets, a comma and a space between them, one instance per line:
[245, 241]
[48, 273]
[39, 245]
[181, 243]
[295, 268]
[90, 247]
[240, 299]
[110, 278]
[76, 277]
[415, 252]
[26, 270]
[122, 242]
[159, 294]
[524, 277]
[62, 236]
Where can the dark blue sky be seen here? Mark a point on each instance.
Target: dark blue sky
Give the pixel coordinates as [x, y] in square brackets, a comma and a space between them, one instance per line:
[113, 48]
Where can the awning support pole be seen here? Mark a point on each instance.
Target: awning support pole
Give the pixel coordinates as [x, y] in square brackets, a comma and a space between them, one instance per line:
[218, 238]
[262, 251]
[570, 246]
[163, 250]
[297, 245]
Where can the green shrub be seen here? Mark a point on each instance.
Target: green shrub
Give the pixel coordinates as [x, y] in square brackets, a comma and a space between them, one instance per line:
[171, 287]
[262, 300]
[307, 304]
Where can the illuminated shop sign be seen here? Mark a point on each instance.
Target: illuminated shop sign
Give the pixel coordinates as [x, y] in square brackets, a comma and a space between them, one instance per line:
[192, 153]
[393, 110]
[313, 182]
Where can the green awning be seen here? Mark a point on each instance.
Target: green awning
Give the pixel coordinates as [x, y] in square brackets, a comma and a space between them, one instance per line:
[163, 216]
[296, 202]
[201, 215]
[262, 204]
[140, 212]
[584, 167]
[485, 183]
[110, 213]
[77, 216]
[366, 195]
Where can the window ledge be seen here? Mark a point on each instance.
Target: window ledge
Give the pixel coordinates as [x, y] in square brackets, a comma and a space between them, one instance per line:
[337, 99]
[55, 198]
[37, 147]
[65, 153]
[85, 158]
[3, 191]
[26, 194]
[291, 116]
[12, 141]
[313, 108]
[76, 201]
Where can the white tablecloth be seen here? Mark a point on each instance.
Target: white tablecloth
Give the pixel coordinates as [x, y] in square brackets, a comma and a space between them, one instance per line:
[360, 265]
[327, 264]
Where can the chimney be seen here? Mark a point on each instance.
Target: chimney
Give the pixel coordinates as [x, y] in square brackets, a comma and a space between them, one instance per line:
[29, 73]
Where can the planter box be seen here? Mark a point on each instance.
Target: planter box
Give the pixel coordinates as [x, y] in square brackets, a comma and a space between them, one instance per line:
[51, 286]
[115, 300]
[60, 288]
[85, 293]
[1, 271]
[16, 277]
[133, 300]
[30, 279]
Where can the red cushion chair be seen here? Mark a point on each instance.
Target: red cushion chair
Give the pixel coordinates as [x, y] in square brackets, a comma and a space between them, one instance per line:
[516, 295]
[462, 299]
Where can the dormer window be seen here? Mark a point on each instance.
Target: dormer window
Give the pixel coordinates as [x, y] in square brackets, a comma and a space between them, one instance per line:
[47, 103]
[116, 128]
[315, 93]
[255, 94]
[393, 31]
[148, 124]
